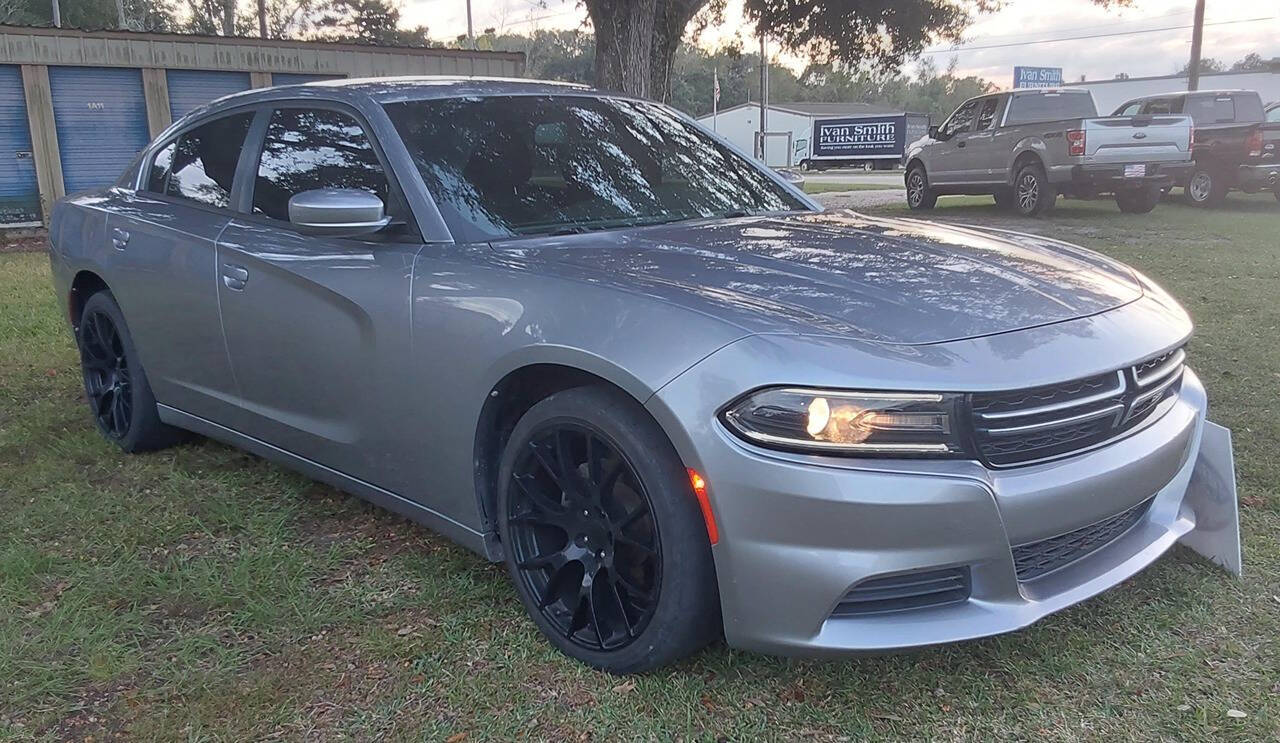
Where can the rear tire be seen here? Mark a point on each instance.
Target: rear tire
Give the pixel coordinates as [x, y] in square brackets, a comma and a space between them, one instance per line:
[603, 535]
[1033, 195]
[1138, 201]
[1206, 187]
[919, 195]
[115, 384]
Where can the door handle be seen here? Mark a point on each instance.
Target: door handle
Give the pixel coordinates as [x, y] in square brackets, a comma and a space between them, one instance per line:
[235, 277]
[119, 238]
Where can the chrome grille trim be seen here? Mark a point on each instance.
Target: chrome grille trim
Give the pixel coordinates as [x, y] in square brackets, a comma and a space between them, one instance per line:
[1040, 424]
[1064, 405]
[1166, 367]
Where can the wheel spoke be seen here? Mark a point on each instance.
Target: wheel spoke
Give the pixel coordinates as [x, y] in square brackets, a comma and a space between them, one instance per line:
[537, 499]
[633, 590]
[631, 518]
[646, 550]
[622, 608]
[595, 455]
[551, 469]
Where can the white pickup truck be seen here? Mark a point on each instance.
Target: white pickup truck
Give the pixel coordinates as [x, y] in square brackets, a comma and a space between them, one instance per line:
[1025, 147]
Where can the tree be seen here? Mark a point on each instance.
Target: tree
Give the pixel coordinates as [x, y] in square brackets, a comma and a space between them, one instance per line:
[140, 15]
[1207, 65]
[369, 22]
[1251, 62]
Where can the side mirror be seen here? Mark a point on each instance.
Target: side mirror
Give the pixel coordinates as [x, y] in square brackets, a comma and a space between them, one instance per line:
[341, 212]
[933, 132]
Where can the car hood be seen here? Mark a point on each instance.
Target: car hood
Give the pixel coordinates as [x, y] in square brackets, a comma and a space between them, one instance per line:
[840, 273]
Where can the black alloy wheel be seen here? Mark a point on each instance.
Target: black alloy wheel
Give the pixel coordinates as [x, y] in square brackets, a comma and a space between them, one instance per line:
[107, 381]
[584, 538]
[603, 534]
[115, 383]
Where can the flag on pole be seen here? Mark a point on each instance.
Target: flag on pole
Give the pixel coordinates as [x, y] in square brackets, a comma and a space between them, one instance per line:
[715, 87]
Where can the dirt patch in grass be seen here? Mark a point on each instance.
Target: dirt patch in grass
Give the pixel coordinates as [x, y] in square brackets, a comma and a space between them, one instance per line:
[24, 241]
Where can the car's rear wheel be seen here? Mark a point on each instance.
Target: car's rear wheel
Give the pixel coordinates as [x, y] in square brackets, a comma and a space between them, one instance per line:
[1205, 188]
[603, 535]
[1033, 195]
[115, 383]
[919, 195]
[1138, 201]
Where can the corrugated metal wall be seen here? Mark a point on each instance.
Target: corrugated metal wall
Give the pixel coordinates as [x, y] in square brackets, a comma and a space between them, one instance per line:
[101, 120]
[190, 89]
[19, 194]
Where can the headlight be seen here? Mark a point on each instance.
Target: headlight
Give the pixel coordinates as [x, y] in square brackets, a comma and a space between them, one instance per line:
[845, 422]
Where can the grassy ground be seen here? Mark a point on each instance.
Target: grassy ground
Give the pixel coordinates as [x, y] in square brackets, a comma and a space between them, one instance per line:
[818, 186]
[200, 593]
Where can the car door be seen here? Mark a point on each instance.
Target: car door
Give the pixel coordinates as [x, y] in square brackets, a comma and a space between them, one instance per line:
[946, 164]
[164, 236]
[317, 325]
[979, 160]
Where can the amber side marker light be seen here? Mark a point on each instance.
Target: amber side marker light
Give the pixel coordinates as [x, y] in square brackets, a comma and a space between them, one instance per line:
[700, 489]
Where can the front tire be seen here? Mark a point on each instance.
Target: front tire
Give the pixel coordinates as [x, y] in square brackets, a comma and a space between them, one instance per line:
[115, 384]
[603, 535]
[1205, 188]
[919, 195]
[1033, 195]
[1138, 201]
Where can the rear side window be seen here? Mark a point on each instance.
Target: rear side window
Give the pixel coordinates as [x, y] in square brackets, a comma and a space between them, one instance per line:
[1162, 106]
[1212, 109]
[307, 149]
[203, 165]
[1248, 107]
[1028, 109]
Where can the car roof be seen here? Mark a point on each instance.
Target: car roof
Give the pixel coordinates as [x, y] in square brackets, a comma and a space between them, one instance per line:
[395, 89]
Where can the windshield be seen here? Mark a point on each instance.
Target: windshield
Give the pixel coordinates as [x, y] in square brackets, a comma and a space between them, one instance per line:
[526, 165]
[1026, 109]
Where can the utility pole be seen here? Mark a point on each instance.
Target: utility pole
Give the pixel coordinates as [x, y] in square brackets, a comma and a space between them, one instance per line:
[471, 36]
[262, 19]
[1197, 36]
[764, 97]
[57, 15]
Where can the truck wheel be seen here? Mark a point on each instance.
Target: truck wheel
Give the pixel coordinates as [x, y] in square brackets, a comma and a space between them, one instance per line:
[1205, 188]
[1138, 201]
[919, 195]
[1277, 193]
[805, 165]
[1004, 199]
[1034, 196]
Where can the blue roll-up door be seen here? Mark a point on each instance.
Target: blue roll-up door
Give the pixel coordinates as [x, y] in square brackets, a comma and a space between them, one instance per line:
[19, 194]
[189, 89]
[100, 115]
[296, 78]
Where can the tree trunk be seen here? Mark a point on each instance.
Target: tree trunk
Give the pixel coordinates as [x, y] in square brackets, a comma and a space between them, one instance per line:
[262, 19]
[636, 43]
[228, 17]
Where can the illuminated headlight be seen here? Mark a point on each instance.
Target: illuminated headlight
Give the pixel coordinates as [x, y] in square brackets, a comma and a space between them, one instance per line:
[845, 422]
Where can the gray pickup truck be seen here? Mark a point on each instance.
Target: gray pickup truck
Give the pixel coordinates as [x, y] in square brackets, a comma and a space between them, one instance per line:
[1025, 147]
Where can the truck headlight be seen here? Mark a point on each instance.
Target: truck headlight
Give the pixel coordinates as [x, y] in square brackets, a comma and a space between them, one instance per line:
[847, 422]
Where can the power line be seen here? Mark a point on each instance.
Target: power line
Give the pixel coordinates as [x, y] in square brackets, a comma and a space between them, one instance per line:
[1071, 29]
[955, 50]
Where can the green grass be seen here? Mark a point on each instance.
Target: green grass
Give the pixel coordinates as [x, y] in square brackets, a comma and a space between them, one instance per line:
[818, 186]
[200, 593]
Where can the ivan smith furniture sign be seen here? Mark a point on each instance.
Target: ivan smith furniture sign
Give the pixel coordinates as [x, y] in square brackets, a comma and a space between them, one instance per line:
[1037, 77]
[864, 136]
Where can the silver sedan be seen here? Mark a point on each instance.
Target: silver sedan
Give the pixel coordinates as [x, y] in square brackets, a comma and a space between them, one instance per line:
[577, 333]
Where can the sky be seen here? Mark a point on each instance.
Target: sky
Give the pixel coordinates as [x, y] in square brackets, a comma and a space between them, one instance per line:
[1137, 54]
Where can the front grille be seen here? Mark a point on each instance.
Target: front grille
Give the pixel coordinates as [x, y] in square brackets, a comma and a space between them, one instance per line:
[1035, 559]
[1042, 423]
[918, 590]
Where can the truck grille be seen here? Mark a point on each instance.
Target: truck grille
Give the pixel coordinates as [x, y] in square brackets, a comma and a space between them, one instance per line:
[1035, 559]
[1042, 423]
[918, 590]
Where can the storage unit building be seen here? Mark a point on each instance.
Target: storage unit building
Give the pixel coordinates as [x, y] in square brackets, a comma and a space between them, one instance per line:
[77, 106]
[19, 193]
[820, 134]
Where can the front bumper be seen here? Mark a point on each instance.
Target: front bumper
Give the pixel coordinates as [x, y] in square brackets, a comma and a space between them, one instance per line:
[799, 532]
[1099, 178]
[1254, 178]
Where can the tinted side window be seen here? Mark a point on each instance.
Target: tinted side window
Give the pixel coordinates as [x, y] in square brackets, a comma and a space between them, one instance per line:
[1162, 106]
[1273, 114]
[1248, 107]
[1129, 110]
[158, 177]
[961, 120]
[1211, 109]
[307, 149]
[987, 116]
[204, 164]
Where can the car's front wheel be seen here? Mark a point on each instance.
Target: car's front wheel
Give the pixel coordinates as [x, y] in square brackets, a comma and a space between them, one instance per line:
[115, 383]
[919, 195]
[603, 534]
